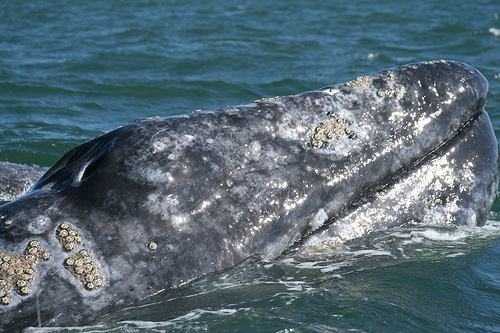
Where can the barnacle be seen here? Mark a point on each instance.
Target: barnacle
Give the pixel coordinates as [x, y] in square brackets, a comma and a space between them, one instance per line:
[7, 223]
[18, 271]
[152, 246]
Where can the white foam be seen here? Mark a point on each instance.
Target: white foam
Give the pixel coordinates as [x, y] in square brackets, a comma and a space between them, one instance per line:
[321, 265]
[195, 314]
[433, 234]
[371, 253]
[294, 285]
[494, 31]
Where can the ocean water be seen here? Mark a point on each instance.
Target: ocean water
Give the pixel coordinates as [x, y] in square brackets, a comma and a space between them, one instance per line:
[71, 70]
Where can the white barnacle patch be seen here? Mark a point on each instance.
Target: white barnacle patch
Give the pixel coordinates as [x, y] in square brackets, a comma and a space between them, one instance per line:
[18, 271]
[269, 99]
[392, 89]
[81, 265]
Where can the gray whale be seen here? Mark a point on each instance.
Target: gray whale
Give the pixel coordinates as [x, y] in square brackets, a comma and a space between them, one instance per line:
[155, 204]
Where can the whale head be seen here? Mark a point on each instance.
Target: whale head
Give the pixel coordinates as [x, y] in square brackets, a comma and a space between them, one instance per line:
[157, 203]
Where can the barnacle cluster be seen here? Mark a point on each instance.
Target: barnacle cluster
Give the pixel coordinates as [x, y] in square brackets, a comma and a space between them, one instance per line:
[68, 237]
[327, 130]
[83, 266]
[392, 88]
[432, 62]
[362, 82]
[148, 118]
[389, 84]
[18, 271]
[268, 99]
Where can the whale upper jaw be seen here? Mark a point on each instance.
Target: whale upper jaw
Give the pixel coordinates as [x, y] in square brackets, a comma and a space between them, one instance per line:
[158, 203]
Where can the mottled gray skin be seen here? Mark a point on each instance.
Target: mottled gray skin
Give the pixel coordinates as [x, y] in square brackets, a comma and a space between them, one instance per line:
[215, 187]
[16, 179]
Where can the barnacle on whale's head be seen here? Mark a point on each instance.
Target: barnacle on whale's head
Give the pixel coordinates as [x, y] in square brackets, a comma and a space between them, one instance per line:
[18, 271]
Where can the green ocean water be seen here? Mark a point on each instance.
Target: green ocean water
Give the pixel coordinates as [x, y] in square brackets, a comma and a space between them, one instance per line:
[71, 70]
